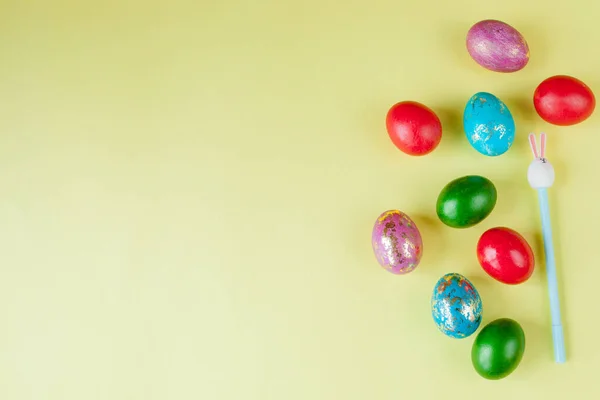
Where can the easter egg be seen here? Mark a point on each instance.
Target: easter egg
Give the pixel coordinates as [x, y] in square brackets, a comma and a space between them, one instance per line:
[456, 306]
[397, 242]
[414, 128]
[466, 201]
[505, 255]
[564, 100]
[497, 46]
[498, 349]
[488, 124]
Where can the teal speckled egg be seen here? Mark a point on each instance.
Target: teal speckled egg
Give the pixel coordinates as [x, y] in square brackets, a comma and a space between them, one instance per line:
[456, 306]
[488, 124]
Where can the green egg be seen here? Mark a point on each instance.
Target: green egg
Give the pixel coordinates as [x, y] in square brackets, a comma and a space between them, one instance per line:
[498, 349]
[466, 201]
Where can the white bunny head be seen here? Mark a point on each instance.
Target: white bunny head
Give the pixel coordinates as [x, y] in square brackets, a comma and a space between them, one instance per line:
[540, 173]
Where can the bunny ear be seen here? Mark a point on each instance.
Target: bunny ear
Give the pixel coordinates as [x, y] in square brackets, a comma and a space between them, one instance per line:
[543, 145]
[533, 145]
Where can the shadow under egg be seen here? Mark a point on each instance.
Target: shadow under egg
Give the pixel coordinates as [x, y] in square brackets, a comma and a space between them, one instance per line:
[536, 36]
[430, 229]
[511, 195]
[451, 118]
[521, 108]
[526, 119]
[538, 347]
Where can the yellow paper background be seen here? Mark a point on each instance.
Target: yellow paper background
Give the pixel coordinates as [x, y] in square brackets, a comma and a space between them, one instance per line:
[188, 189]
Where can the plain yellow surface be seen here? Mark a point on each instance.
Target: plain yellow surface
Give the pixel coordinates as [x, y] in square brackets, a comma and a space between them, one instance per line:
[188, 190]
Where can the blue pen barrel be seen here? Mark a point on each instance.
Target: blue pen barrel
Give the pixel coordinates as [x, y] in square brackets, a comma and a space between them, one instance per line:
[557, 329]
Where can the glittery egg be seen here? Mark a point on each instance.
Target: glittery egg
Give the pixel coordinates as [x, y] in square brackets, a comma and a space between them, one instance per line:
[488, 124]
[456, 306]
[497, 46]
[397, 242]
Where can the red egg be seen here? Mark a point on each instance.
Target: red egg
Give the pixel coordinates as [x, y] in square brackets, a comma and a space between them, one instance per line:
[564, 100]
[505, 255]
[413, 128]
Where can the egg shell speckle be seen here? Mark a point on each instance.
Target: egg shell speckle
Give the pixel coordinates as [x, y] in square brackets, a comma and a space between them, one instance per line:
[497, 46]
[488, 124]
[456, 306]
[397, 242]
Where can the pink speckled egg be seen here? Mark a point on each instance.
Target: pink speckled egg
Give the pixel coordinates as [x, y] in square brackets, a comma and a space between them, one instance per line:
[397, 242]
[497, 46]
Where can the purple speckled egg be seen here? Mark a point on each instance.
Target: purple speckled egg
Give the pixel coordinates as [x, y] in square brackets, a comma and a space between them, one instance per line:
[497, 46]
[397, 242]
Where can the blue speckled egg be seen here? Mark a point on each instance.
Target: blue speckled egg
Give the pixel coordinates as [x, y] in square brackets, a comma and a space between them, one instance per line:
[456, 306]
[488, 124]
